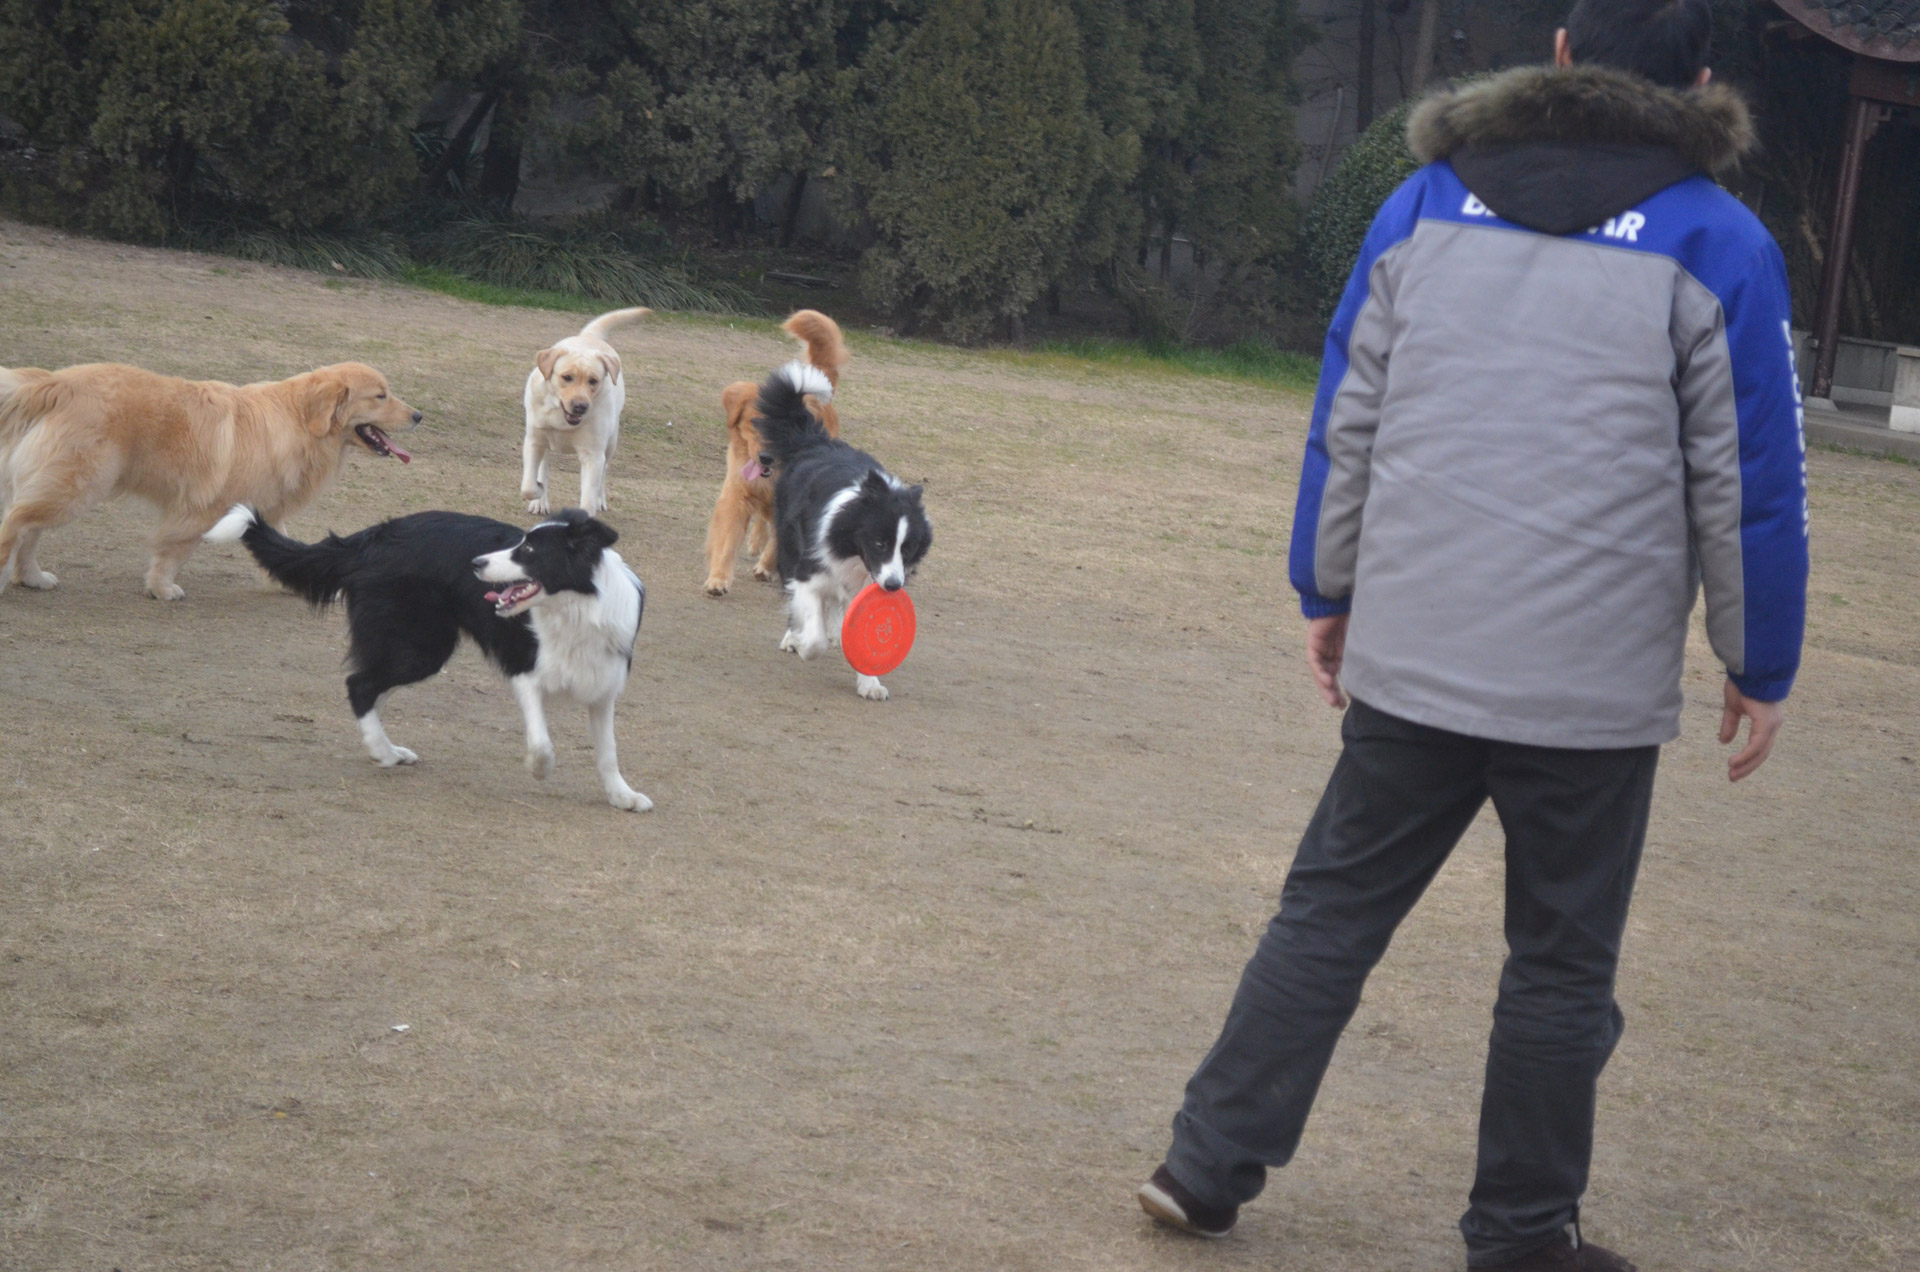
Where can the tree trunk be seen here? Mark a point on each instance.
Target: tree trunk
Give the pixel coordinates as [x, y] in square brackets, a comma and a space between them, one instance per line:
[1363, 83]
[456, 151]
[1423, 43]
[500, 173]
[790, 223]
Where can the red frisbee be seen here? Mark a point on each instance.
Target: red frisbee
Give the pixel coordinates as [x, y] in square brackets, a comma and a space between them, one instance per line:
[878, 630]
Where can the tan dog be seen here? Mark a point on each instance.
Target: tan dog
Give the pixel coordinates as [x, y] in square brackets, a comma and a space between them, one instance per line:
[744, 509]
[574, 397]
[194, 448]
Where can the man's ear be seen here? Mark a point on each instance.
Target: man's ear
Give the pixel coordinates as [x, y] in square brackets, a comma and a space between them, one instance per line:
[327, 399]
[1562, 48]
[613, 366]
[545, 360]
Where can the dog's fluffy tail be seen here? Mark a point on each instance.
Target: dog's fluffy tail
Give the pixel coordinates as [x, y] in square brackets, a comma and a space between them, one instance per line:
[600, 326]
[821, 335]
[785, 424]
[317, 571]
[25, 395]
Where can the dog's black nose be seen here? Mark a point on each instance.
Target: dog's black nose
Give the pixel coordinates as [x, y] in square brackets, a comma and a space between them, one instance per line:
[417, 417]
[892, 586]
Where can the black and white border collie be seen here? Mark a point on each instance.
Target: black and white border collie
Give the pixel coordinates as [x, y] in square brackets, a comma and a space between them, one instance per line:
[554, 607]
[841, 519]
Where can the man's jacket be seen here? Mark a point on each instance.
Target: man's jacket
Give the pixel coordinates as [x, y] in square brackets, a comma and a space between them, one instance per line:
[1558, 397]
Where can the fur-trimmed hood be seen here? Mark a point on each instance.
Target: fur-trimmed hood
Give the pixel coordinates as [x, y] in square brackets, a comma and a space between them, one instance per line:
[1708, 128]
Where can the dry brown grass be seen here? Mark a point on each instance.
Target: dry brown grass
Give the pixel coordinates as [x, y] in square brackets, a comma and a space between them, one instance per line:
[911, 985]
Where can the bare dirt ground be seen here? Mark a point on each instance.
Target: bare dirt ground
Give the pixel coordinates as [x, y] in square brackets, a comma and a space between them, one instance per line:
[877, 986]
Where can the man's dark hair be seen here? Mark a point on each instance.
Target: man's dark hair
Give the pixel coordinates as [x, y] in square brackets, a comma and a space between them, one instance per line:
[1664, 40]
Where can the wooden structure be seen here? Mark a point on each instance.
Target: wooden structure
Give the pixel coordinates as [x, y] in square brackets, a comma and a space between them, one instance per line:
[1884, 38]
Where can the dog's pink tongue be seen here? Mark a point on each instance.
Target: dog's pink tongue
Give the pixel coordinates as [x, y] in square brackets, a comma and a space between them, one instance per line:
[398, 454]
[752, 470]
[494, 597]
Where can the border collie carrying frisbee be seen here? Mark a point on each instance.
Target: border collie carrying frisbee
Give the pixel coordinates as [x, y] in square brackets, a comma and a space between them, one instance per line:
[841, 519]
[554, 608]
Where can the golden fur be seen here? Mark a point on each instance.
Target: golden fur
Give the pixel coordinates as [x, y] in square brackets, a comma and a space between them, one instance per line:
[745, 508]
[193, 448]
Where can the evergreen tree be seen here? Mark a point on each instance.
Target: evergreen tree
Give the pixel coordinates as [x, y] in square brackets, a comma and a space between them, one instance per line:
[1222, 168]
[161, 112]
[973, 159]
[714, 99]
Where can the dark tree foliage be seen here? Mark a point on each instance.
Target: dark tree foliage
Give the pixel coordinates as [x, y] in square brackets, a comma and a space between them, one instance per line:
[152, 113]
[1345, 204]
[973, 163]
[983, 152]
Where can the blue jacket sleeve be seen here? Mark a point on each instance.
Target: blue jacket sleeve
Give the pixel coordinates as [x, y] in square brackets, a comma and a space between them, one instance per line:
[1391, 225]
[1773, 477]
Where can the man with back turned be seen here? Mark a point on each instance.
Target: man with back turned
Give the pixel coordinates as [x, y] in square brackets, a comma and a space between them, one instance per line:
[1558, 399]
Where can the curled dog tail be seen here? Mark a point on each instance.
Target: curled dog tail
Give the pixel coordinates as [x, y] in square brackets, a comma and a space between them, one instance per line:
[600, 326]
[317, 571]
[821, 334]
[785, 424]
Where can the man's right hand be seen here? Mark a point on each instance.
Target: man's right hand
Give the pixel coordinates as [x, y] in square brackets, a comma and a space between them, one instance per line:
[1326, 646]
[1765, 719]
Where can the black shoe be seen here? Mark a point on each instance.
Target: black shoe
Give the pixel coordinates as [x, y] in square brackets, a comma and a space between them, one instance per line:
[1169, 1203]
[1564, 1256]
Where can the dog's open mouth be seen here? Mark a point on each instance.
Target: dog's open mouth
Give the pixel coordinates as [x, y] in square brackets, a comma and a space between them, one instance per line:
[513, 594]
[380, 444]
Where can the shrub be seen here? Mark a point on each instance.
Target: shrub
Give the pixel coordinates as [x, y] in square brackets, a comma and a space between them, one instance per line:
[973, 163]
[161, 113]
[1346, 203]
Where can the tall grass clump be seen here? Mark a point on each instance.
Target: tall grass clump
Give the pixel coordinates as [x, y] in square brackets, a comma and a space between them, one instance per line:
[371, 255]
[495, 258]
[583, 259]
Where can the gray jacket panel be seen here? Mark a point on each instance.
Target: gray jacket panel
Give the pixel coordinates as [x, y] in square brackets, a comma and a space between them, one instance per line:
[1523, 569]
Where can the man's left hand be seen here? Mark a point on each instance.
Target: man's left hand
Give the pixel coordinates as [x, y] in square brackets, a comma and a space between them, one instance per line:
[1764, 719]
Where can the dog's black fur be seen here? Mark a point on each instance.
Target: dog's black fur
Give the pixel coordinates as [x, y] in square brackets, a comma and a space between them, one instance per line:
[812, 469]
[410, 588]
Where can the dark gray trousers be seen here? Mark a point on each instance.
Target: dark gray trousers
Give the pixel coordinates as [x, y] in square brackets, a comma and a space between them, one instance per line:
[1400, 797]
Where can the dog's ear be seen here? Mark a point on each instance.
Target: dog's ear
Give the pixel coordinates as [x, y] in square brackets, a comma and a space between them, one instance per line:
[914, 492]
[613, 366]
[545, 360]
[584, 529]
[875, 482]
[326, 406]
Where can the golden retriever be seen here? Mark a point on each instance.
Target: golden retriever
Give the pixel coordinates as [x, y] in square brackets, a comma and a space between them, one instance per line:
[744, 509]
[194, 448]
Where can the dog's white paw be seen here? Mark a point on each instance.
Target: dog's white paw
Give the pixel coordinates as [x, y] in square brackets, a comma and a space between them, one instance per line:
[870, 688]
[168, 592]
[595, 507]
[790, 642]
[628, 798]
[396, 755]
[540, 763]
[39, 578]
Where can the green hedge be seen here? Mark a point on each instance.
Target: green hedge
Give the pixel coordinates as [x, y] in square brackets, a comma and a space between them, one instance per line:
[1346, 202]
